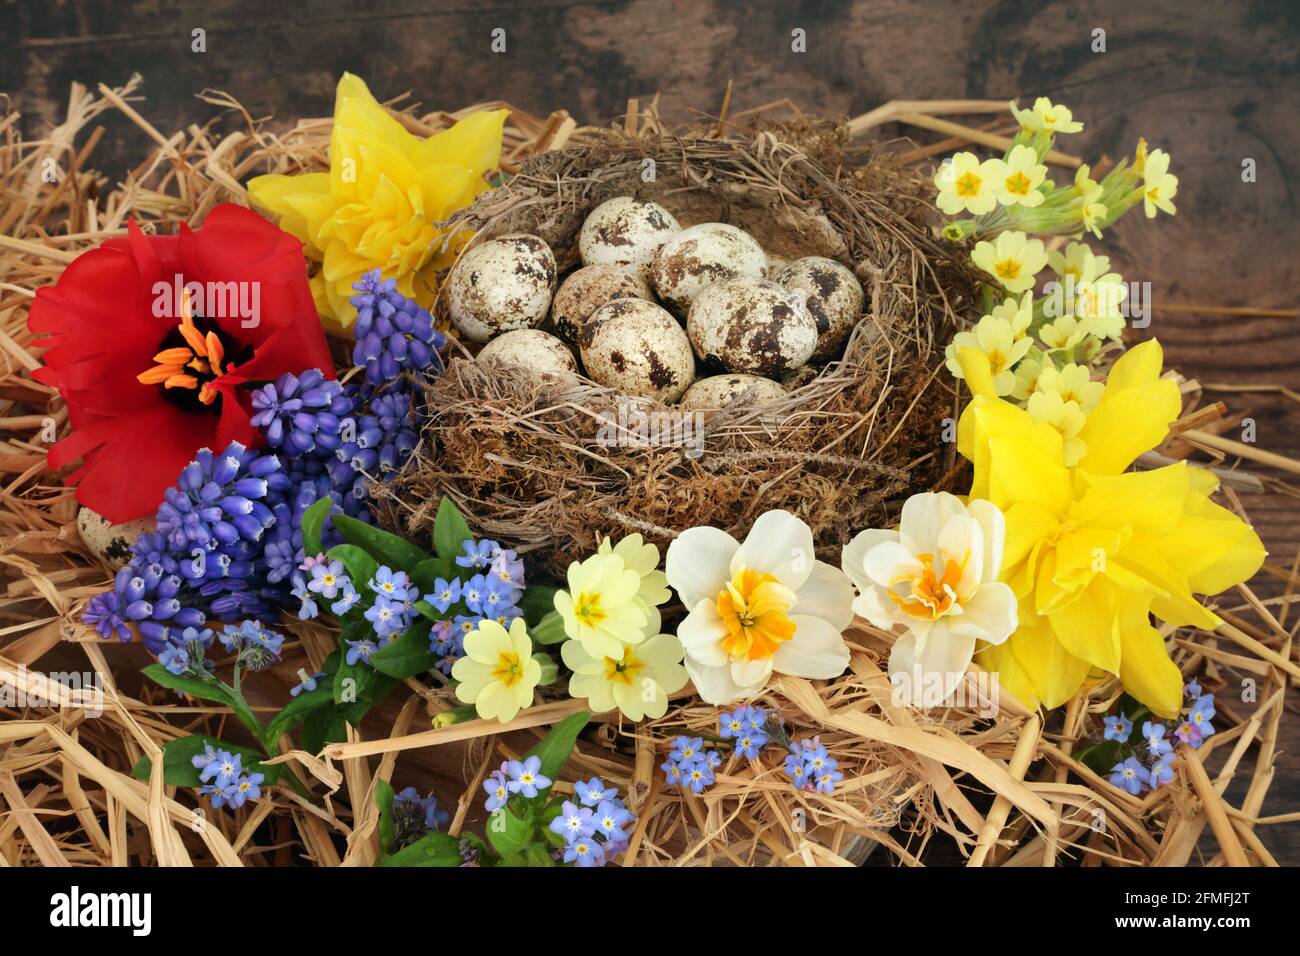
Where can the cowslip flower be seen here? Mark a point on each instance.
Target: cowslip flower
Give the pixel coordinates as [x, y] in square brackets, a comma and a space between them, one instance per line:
[1046, 116]
[997, 339]
[1012, 258]
[1159, 186]
[379, 205]
[762, 606]
[964, 183]
[1078, 262]
[1020, 177]
[1066, 417]
[1064, 333]
[1027, 374]
[602, 608]
[936, 577]
[1073, 383]
[498, 673]
[1092, 550]
[637, 683]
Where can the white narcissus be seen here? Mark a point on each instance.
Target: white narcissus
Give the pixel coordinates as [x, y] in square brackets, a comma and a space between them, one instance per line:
[937, 577]
[762, 606]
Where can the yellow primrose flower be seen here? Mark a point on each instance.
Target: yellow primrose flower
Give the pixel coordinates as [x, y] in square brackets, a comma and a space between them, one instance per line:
[1073, 383]
[1093, 550]
[1027, 375]
[997, 339]
[1159, 186]
[602, 608]
[378, 204]
[1020, 177]
[643, 558]
[497, 674]
[1078, 263]
[936, 577]
[637, 684]
[1045, 116]
[1019, 312]
[966, 183]
[1012, 259]
[756, 607]
[1064, 333]
[1066, 417]
[1098, 305]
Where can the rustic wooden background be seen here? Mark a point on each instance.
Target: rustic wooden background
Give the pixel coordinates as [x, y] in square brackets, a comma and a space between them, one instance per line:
[1215, 84]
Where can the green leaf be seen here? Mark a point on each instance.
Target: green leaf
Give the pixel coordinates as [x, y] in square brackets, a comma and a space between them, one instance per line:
[324, 726]
[179, 769]
[550, 670]
[408, 655]
[313, 525]
[206, 690]
[426, 573]
[555, 747]
[361, 566]
[383, 546]
[296, 711]
[384, 801]
[432, 849]
[508, 833]
[1100, 757]
[450, 531]
[550, 630]
[537, 603]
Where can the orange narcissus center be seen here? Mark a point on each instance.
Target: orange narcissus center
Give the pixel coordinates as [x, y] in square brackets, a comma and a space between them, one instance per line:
[194, 365]
[932, 596]
[753, 607]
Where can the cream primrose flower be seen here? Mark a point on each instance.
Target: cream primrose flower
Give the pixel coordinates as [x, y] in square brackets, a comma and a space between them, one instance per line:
[1159, 186]
[637, 685]
[937, 577]
[1011, 259]
[1064, 333]
[1045, 116]
[1073, 383]
[497, 674]
[1020, 178]
[1065, 416]
[997, 339]
[1078, 263]
[643, 558]
[602, 608]
[966, 183]
[762, 606]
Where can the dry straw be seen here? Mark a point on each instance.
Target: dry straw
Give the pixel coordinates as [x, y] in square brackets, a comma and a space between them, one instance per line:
[990, 784]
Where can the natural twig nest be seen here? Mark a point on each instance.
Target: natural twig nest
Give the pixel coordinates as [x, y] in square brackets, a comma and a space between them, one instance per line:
[549, 465]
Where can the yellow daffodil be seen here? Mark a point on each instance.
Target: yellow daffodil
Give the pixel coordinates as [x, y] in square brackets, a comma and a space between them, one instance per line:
[1159, 186]
[498, 673]
[937, 578]
[378, 204]
[1012, 259]
[643, 558]
[1065, 416]
[637, 684]
[1020, 178]
[602, 608]
[1073, 383]
[997, 339]
[1046, 116]
[964, 183]
[762, 606]
[1093, 551]
[1078, 263]
[1064, 333]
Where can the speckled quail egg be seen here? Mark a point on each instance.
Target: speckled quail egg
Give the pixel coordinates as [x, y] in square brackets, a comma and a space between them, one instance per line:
[698, 257]
[638, 348]
[109, 542]
[586, 290]
[834, 298]
[719, 391]
[501, 285]
[625, 232]
[752, 325]
[533, 349]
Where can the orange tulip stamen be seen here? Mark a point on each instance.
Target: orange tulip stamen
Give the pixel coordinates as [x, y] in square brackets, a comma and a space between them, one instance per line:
[196, 365]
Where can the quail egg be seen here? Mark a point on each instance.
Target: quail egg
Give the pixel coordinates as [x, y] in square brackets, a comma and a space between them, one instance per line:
[697, 257]
[638, 348]
[532, 349]
[719, 391]
[109, 542]
[751, 325]
[501, 285]
[834, 298]
[625, 232]
[586, 290]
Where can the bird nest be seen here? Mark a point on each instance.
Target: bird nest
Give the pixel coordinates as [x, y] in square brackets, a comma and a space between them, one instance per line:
[552, 466]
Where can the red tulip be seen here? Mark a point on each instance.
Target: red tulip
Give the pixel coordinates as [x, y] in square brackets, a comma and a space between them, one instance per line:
[150, 338]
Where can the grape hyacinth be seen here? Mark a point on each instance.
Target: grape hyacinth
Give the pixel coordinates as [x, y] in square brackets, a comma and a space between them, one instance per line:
[301, 413]
[385, 435]
[393, 333]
